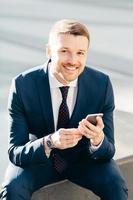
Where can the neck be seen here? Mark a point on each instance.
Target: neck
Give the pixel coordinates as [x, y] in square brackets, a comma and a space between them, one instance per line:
[60, 78]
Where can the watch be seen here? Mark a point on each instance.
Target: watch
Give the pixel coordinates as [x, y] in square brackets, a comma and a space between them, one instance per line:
[49, 142]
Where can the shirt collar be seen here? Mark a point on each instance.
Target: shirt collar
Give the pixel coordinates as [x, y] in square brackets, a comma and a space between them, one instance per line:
[54, 83]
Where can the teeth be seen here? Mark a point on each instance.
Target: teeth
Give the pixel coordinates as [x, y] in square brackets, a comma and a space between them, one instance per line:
[71, 68]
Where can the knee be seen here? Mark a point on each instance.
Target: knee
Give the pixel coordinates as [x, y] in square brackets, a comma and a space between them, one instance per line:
[17, 186]
[9, 188]
[13, 186]
[115, 184]
[115, 180]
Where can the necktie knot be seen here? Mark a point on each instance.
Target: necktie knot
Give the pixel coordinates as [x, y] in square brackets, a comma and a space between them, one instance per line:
[64, 92]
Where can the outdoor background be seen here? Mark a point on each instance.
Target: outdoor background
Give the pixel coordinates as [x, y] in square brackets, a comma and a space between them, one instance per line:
[24, 28]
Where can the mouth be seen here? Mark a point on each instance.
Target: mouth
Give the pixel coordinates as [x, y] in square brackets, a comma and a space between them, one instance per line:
[70, 69]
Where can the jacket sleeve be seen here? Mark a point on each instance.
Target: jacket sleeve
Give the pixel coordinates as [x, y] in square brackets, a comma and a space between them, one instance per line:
[107, 150]
[22, 152]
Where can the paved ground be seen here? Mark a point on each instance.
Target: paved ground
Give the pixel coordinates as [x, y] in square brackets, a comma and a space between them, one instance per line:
[24, 27]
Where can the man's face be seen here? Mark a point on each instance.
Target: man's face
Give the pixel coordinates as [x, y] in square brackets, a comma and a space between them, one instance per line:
[68, 54]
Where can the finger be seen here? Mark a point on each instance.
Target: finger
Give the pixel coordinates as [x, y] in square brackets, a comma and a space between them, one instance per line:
[68, 144]
[71, 134]
[82, 129]
[78, 137]
[90, 134]
[86, 123]
[67, 137]
[71, 139]
[71, 144]
[100, 123]
[96, 129]
[87, 132]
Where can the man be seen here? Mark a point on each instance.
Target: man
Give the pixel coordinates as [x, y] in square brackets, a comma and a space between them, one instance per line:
[50, 137]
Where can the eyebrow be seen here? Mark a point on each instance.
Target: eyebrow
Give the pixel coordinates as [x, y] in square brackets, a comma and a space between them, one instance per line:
[82, 50]
[78, 49]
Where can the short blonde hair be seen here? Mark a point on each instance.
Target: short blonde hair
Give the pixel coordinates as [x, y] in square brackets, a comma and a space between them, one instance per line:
[67, 26]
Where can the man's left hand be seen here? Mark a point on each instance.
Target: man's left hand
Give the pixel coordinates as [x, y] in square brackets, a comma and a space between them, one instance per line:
[93, 132]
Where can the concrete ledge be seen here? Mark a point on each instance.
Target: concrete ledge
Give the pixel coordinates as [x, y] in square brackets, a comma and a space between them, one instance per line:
[68, 191]
[126, 166]
[63, 190]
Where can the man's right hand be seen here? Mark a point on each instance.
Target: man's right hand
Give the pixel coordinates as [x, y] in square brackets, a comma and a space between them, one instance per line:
[66, 138]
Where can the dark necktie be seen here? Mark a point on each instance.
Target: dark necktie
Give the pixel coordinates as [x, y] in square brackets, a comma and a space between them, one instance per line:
[63, 117]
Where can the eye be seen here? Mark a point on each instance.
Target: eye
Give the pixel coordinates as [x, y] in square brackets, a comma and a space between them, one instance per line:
[63, 51]
[80, 53]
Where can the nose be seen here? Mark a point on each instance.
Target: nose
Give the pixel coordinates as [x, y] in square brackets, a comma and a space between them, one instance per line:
[72, 59]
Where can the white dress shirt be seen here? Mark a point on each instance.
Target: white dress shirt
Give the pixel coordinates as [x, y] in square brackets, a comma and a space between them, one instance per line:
[56, 96]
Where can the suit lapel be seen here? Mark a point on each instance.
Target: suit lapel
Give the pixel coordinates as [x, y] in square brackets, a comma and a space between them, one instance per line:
[79, 108]
[45, 99]
[84, 102]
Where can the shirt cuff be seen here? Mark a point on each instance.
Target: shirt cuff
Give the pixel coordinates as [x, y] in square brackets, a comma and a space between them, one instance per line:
[94, 148]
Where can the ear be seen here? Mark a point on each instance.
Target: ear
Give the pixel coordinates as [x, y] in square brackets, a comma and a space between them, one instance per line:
[48, 51]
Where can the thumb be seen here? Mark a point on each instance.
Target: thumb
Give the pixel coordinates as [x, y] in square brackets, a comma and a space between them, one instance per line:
[100, 123]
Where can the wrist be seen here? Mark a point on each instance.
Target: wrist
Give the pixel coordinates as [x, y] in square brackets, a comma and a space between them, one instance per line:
[48, 144]
[97, 141]
[94, 142]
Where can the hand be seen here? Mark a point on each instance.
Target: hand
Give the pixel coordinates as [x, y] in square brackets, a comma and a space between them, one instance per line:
[66, 138]
[92, 132]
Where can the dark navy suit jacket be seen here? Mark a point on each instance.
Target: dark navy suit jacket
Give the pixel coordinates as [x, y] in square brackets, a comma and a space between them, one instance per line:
[31, 116]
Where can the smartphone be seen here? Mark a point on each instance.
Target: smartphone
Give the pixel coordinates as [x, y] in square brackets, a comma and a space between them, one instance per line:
[92, 117]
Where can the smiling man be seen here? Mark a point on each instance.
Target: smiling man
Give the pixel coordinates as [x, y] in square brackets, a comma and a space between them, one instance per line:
[69, 54]
[50, 137]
